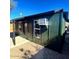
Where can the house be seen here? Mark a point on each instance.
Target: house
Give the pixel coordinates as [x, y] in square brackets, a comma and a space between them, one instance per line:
[40, 28]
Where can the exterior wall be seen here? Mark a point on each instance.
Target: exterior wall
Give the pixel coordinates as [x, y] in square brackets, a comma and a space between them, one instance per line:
[63, 24]
[56, 27]
[29, 27]
[28, 30]
[11, 27]
[21, 28]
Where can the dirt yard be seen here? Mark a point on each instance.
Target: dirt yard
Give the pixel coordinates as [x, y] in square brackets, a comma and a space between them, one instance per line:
[24, 49]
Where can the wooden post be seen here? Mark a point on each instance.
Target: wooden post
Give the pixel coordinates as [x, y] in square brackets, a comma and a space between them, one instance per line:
[13, 39]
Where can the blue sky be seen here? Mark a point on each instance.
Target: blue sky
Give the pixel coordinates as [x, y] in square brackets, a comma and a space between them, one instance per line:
[30, 7]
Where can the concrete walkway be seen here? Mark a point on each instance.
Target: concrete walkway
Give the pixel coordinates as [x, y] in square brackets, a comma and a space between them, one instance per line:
[19, 40]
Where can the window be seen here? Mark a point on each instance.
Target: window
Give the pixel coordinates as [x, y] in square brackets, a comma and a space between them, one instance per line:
[43, 21]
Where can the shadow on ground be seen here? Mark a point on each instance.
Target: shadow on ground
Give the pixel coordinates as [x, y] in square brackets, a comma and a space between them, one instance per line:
[55, 44]
[57, 50]
[49, 54]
